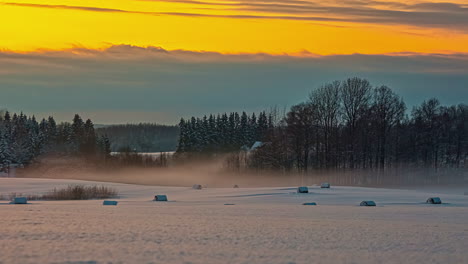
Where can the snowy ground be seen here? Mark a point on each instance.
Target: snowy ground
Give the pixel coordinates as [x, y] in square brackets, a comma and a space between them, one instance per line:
[266, 225]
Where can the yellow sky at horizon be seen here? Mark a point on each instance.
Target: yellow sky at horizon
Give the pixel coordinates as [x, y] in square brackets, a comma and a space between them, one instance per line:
[61, 24]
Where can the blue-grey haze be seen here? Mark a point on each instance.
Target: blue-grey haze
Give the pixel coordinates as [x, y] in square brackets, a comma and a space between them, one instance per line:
[131, 84]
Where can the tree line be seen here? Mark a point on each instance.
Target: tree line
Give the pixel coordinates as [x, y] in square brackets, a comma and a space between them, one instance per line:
[347, 125]
[223, 133]
[143, 137]
[23, 138]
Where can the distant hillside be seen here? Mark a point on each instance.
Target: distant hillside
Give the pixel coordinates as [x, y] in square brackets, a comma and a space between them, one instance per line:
[141, 137]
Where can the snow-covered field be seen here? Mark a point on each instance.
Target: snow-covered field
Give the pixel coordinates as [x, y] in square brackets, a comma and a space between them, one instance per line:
[265, 225]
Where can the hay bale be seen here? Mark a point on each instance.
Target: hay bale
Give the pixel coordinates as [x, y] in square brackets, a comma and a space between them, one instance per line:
[236, 186]
[19, 200]
[110, 203]
[325, 185]
[302, 189]
[197, 187]
[434, 200]
[367, 203]
[160, 198]
[229, 204]
[309, 204]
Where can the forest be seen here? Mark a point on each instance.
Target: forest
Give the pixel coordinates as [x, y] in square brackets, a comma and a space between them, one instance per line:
[343, 126]
[144, 137]
[348, 132]
[23, 139]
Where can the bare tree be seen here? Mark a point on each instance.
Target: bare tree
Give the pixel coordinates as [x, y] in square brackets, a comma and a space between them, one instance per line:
[301, 121]
[388, 109]
[427, 118]
[356, 95]
[326, 100]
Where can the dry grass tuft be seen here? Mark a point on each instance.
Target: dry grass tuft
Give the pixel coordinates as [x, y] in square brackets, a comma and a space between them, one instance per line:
[71, 192]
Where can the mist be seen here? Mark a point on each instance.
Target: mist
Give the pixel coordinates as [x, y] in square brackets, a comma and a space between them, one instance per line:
[213, 173]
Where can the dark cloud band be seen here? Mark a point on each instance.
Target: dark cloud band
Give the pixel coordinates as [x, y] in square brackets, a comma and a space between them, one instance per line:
[124, 80]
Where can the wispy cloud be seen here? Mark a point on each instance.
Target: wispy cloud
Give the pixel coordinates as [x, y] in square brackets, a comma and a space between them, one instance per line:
[83, 8]
[181, 14]
[425, 14]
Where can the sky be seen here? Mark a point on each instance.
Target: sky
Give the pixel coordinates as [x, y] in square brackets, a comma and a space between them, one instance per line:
[156, 61]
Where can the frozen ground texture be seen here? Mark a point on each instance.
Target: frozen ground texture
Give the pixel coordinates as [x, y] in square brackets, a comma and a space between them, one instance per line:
[266, 225]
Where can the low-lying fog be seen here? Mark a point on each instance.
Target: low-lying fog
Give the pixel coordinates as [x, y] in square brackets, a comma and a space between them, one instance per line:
[210, 173]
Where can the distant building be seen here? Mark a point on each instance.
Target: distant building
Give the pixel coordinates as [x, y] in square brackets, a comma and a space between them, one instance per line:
[256, 145]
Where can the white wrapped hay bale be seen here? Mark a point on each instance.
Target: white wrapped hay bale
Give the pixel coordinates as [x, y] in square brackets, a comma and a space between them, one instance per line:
[302, 189]
[367, 203]
[19, 200]
[434, 200]
[160, 198]
[110, 203]
[197, 187]
[325, 185]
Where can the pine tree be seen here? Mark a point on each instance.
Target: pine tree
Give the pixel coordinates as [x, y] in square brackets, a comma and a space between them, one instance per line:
[88, 146]
[262, 126]
[252, 134]
[212, 134]
[244, 130]
[77, 136]
[52, 130]
[7, 117]
[182, 145]
[5, 152]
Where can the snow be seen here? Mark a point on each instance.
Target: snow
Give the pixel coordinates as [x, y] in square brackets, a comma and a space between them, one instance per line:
[266, 225]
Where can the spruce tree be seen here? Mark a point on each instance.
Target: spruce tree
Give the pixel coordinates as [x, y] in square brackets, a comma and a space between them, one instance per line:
[88, 146]
[5, 152]
[77, 136]
[244, 130]
[182, 145]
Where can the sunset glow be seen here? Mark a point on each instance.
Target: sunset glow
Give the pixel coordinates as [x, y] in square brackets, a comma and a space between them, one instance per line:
[275, 27]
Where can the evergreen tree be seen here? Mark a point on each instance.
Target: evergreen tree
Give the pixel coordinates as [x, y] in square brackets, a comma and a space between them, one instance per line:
[183, 136]
[262, 127]
[77, 135]
[88, 146]
[244, 130]
[5, 152]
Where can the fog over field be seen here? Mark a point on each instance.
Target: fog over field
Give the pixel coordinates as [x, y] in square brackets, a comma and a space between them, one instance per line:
[209, 172]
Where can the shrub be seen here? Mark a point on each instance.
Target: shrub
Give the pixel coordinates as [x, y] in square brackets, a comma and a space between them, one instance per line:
[71, 192]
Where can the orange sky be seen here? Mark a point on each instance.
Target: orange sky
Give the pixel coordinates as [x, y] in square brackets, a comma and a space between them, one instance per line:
[282, 26]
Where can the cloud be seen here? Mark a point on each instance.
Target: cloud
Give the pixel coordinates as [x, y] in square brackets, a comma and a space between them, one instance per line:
[83, 8]
[425, 14]
[133, 82]
[420, 62]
